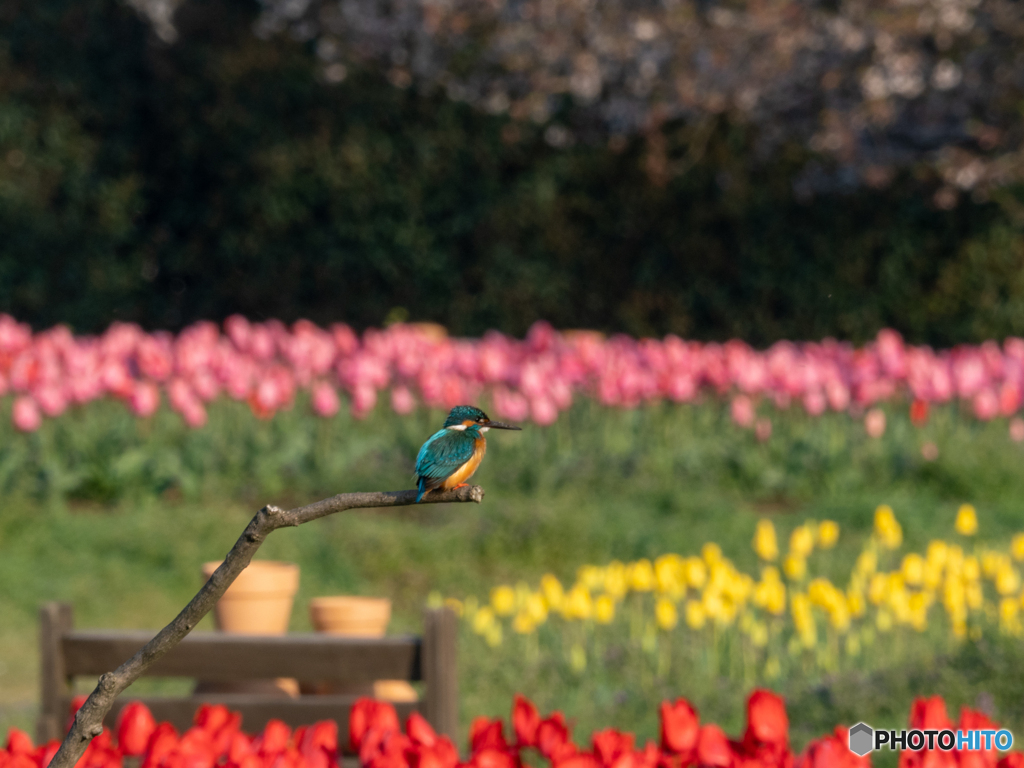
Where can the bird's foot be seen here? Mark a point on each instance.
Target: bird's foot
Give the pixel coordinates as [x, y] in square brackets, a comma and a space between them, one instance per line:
[460, 485]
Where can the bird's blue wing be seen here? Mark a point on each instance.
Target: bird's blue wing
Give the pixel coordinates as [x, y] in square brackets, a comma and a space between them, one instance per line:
[443, 453]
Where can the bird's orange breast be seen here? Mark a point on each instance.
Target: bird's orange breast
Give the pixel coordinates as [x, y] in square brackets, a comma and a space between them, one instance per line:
[463, 473]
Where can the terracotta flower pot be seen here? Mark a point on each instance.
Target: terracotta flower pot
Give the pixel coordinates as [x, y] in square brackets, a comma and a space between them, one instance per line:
[259, 602]
[357, 617]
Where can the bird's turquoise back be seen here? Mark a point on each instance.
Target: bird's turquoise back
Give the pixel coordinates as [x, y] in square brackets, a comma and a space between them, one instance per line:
[444, 452]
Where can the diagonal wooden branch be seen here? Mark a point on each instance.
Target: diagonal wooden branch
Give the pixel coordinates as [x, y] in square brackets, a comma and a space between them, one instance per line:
[89, 720]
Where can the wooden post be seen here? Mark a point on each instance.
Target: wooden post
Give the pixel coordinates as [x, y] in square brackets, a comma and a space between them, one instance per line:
[440, 672]
[55, 621]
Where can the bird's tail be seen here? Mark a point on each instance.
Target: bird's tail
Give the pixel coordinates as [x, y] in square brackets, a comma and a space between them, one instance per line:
[421, 489]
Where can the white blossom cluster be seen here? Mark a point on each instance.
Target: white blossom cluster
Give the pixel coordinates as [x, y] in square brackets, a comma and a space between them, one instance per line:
[872, 86]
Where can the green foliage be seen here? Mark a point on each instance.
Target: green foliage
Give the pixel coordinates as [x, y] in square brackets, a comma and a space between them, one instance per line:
[165, 184]
[99, 503]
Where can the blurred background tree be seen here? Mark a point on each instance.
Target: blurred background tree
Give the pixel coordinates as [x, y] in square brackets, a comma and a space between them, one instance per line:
[165, 163]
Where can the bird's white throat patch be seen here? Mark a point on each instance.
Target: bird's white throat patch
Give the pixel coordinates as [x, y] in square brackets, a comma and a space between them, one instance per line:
[484, 429]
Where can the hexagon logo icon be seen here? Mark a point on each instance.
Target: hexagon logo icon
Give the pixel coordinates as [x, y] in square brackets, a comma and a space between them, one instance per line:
[862, 737]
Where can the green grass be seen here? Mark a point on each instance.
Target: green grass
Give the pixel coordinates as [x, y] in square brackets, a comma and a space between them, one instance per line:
[117, 515]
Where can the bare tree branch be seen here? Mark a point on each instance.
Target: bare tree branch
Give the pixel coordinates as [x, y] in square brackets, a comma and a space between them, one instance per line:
[89, 720]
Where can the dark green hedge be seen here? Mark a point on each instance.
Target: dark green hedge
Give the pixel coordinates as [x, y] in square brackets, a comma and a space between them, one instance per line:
[163, 184]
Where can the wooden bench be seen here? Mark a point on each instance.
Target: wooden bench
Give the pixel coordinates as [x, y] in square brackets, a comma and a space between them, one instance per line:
[67, 653]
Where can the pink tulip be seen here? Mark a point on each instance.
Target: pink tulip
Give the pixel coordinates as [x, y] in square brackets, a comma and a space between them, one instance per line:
[543, 411]
[194, 414]
[364, 398]
[402, 400]
[51, 400]
[25, 414]
[874, 422]
[325, 399]
[1017, 429]
[763, 429]
[743, 411]
[145, 399]
[986, 404]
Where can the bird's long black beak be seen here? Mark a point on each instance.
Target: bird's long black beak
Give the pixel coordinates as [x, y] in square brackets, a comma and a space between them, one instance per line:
[500, 425]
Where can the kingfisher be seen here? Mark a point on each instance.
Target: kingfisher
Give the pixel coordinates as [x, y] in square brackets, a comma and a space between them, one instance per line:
[452, 454]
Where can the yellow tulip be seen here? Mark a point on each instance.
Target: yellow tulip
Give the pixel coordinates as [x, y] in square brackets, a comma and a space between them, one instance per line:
[536, 608]
[578, 604]
[641, 576]
[503, 600]
[1017, 547]
[483, 620]
[668, 572]
[494, 635]
[665, 613]
[711, 552]
[523, 623]
[877, 588]
[887, 529]
[867, 562]
[971, 568]
[616, 582]
[604, 610]
[552, 590]
[765, 544]
[855, 603]
[966, 520]
[696, 572]
[1007, 579]
[801, 541]
[937, 553]
[794, 567]
[913, 569]
[695, 616]
[590, 576]
[828, 534]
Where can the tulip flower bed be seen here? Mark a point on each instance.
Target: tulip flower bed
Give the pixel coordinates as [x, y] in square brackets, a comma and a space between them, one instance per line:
[678, 617]
[104, 417]
[264, 364]
[375, 735]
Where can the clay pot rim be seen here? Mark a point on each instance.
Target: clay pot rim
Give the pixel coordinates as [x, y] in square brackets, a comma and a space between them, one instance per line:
[271, 578]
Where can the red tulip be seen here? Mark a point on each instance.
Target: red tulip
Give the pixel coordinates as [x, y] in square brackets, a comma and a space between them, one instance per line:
[163, 741]
[135, 725]
[18, 760]
[368, 714]
[489, 757]
[553, 738]
[19, 742]
[525, 720]
[441, 754]
[929, 714]
[679, 727]
[419, 731]
[487, 734]
[832, 752]
[579, 760]
[1012, 760]
[919, 413]
[239, 748]
[767, 723]
[712, 749]
[45, 753]
[274, 740]
[611, 744]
